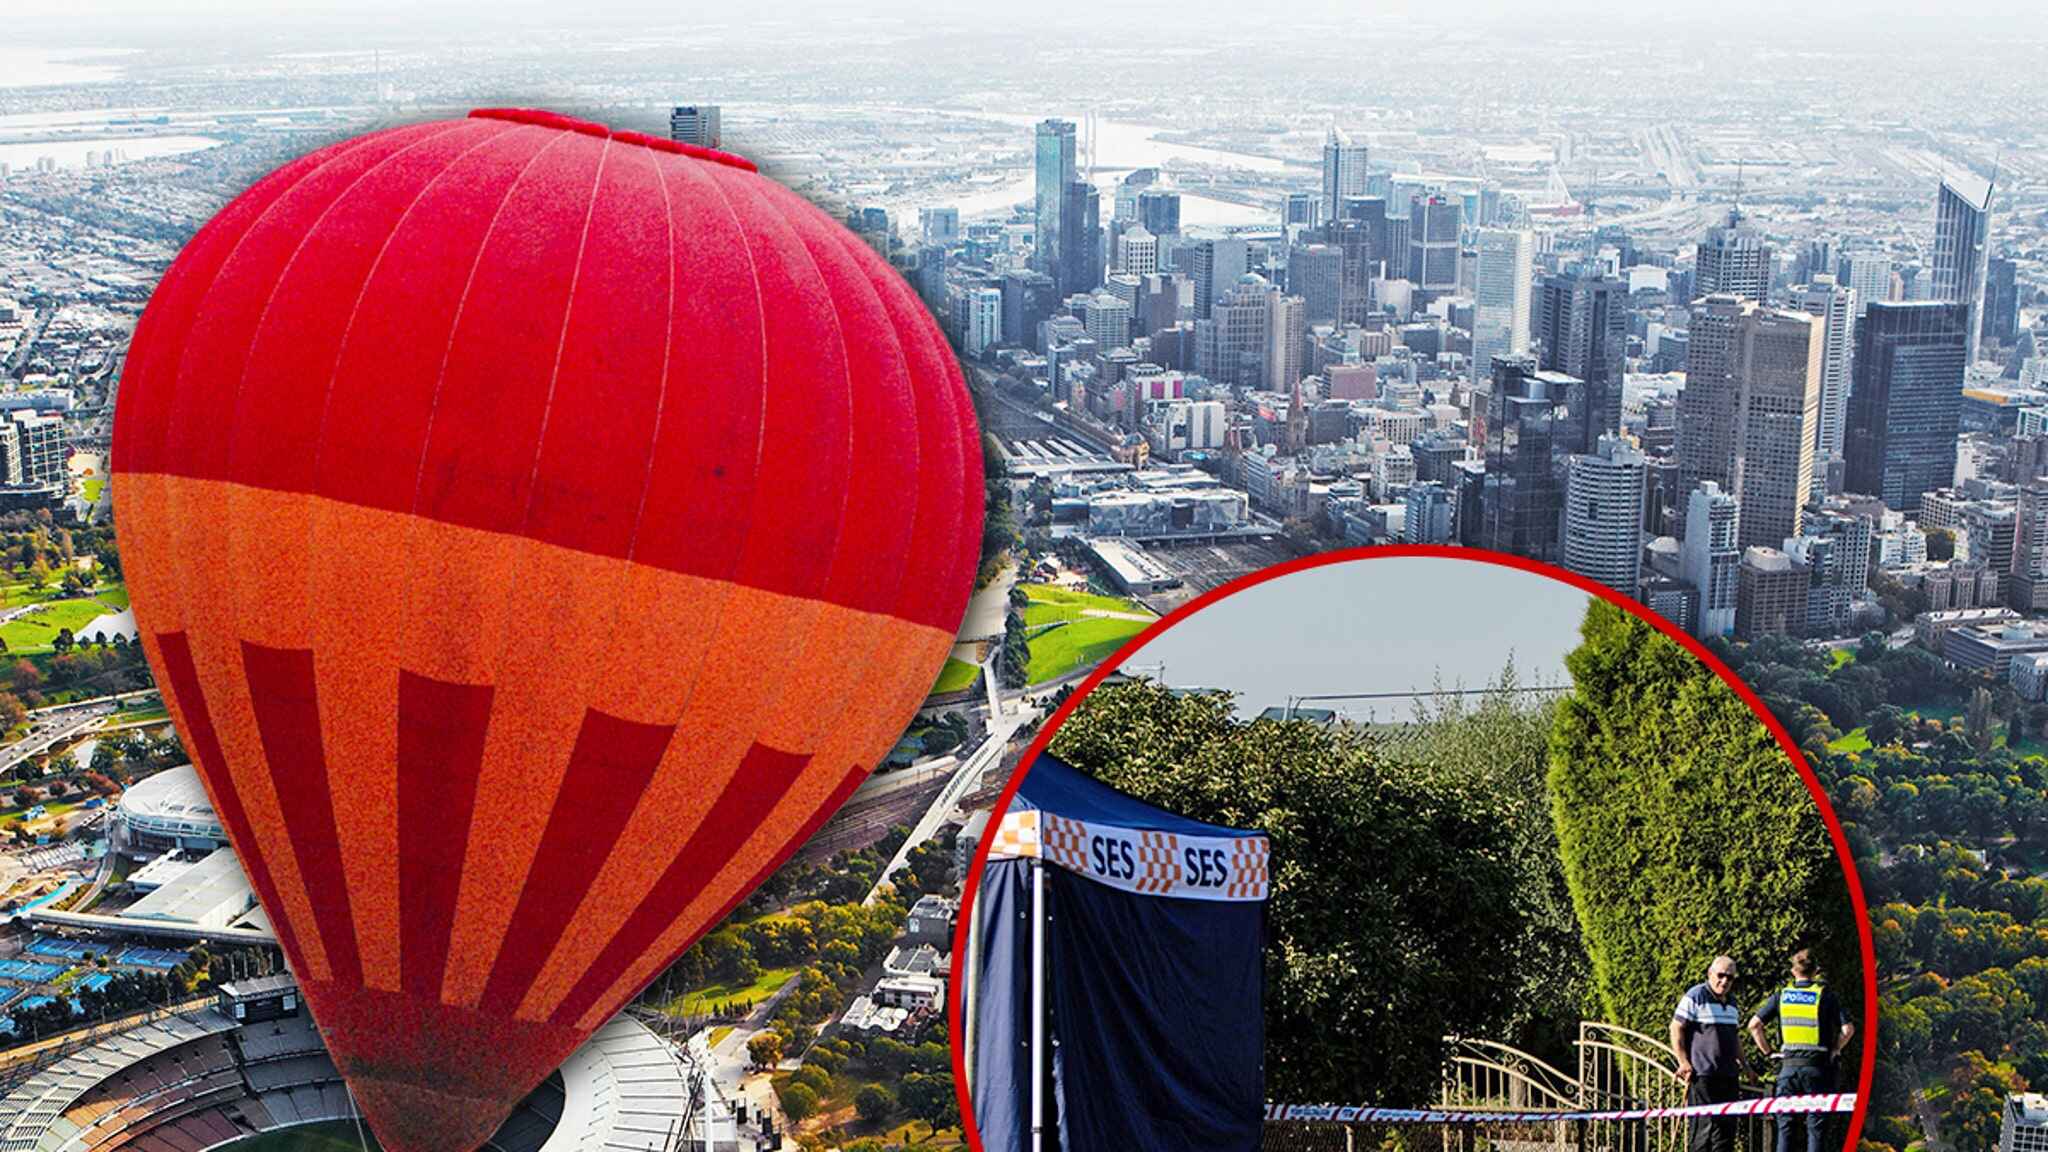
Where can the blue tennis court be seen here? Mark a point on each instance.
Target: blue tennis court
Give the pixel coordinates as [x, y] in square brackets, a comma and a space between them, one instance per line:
[96, 980]
[150, 957]
[31, 971]
[64, 949]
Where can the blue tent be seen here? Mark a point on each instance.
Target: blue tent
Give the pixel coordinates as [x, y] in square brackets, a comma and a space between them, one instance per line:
[1149, 943]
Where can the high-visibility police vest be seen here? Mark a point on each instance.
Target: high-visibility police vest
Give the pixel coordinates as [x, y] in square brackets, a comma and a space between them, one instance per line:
[1799, 1018]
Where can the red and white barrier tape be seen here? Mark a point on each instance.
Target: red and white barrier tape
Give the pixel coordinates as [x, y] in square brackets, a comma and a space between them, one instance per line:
[1754, 1106]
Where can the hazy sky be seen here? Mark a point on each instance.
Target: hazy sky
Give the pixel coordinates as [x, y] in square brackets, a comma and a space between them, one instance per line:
[1376, 625]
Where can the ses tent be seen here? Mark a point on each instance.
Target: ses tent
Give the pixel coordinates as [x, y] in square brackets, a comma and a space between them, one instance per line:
[1139, 936]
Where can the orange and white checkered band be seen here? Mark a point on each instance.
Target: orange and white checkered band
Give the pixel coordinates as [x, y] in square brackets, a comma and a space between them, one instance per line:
[1152, 863]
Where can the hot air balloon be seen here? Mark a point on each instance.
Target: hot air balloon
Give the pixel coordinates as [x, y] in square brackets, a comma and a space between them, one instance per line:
[537, 531]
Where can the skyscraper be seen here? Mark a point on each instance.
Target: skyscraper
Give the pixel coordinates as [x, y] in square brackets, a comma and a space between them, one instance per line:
[1581, 330]
[1603, 515]
[1962, 228]
[1709, 556]
[1706, 408]
[1159, 212]
[1734, 258]
[1234, 337]
[1777, 369]
[1286, 342]
[1836, 308]
[1315, 272]
[1500, 312]
[1137, 252]
[1523, 488]
[1343, 171]
[695, 124]
[1433, 223]
[1868, 275]
[1906, 400]
[1053, 159]
[984, 320]
[1214, 265]
[1080, 239]
[2001, 302]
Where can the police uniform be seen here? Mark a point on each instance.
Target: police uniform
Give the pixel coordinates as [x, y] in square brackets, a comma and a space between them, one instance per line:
[1808, 1019]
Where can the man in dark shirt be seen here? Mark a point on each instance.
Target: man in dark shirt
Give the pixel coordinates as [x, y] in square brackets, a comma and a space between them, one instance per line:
[1812, 1035]
[1706, 1030]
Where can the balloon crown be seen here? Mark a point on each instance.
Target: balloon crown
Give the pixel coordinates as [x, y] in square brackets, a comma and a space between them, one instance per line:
[546, 119]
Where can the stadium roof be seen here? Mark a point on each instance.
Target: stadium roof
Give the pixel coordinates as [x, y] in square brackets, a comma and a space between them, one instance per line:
[212, 893]
[27, 1112]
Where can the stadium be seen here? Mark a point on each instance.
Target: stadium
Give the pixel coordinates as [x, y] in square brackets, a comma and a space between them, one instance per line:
[168, 812]
[251, 1063]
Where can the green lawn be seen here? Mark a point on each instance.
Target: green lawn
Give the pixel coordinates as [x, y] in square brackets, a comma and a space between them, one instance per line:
[956, 676]
[1060, 650]
[51, 808]
[1840, 656]
[1050, 603]
[36, 632]
[719, 1033]
[702, 1001]
[330, 1136]
[114, 597]
[137, 716]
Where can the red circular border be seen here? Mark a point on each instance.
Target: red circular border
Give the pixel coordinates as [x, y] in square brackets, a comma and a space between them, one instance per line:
[972, 882]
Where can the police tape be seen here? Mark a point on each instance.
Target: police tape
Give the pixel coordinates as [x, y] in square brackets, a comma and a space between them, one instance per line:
[1755, 1106]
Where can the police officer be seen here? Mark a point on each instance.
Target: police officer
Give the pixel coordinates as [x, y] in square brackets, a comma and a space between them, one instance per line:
[1812, 1034]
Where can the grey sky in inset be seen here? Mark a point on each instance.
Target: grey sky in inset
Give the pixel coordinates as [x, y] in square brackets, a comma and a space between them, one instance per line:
[1389, 623]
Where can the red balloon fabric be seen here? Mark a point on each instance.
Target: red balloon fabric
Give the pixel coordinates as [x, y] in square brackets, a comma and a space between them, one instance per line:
[537, 531]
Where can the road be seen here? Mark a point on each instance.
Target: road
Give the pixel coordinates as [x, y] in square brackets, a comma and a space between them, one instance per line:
[51, 727]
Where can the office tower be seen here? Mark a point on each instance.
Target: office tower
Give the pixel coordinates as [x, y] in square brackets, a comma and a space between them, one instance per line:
[1029, 299]
[1523, 488]
[1159, 301]
[1124, 209]
[1108, 320]
[1233, 340]
[1962, 228]
[1315, 272]
[1905, 400]
[1816, 258]
[1302, 210]
[10, 454]
[2024, 1126]
[1215, 266]
[1770, 596]
[695, 124]
[1706, 408]
[1080, 243]
[1433, 222]
[1500, 307]
[939, 226]
[1428, 513]
[1777, 372]
[1581, 330]
[984, 320]
[2001, 302]
[2029, 588]
[1286, 342]
[1709, 555]
[1603, 515]
[1734, 258]
[1835, 306]
[1869, 276]
[1159, 212]
[1053, 162]
[1137, 252]
[1343, 171]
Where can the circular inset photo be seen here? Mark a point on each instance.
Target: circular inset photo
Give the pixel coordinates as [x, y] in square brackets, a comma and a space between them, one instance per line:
[1410, 847]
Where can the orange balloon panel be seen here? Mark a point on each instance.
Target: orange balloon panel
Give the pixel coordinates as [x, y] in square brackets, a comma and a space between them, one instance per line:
[537, 533]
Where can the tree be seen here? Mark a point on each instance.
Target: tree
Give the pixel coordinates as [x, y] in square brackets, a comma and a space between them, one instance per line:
[1392, 892]
[1941, 544]
[1013, 663]
[1685, 832]
[64, 640]
[765, 1050]
[39, 573]
[928, 1096]
[799, 1102]
[874, 1103]
[1977, 721]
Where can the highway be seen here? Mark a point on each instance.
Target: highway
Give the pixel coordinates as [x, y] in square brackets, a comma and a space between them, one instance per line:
[51, 727]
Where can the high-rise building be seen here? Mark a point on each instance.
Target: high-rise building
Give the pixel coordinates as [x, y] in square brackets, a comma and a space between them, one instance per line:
[1343, 171]
[1159, 212]
[939, 226]
[1603, 515]
[1429, 513]
[1137, 252]
[2029, 588]
[1215, 266]
[984, 320]
[1706, 408]
[1581, 330]
[1433, 223]
[2001, 302]
[1905, 401]
[1836, 308]
[2024, 1127]
[1108, 320]
[1962, 231]
[1080, 243]
[1770, 595]
[1777, 372]
[1734, 258]
[694, 124]
[1709, 555]
[1286, 341]
[1233, 339]
[1315, 272]
[1029, 299]
[1053, 170]
[1302, 210]
[1868, 275]
[1523, 486]
[1500, 298]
